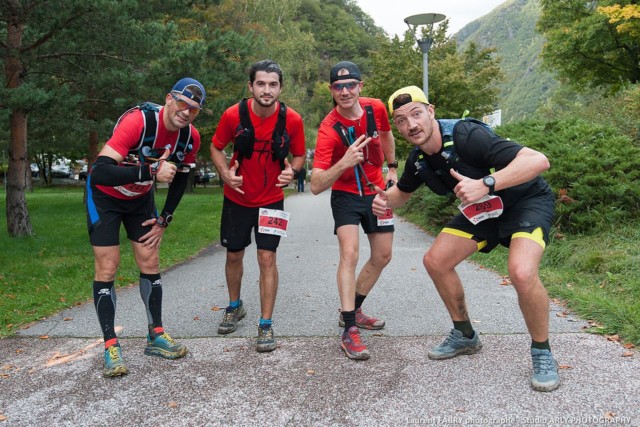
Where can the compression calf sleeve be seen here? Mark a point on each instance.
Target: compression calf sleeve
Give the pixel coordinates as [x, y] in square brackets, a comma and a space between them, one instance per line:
[104, 300]
[151, 293]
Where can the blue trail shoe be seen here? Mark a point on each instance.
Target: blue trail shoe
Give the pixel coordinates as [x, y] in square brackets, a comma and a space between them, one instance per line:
[164, 346]
[455, 345]
[113, 362]
[545, 371]
[230, 319]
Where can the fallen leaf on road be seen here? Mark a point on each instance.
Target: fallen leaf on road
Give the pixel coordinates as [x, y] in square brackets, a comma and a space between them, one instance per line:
[3, 418]
[172, 404]
[562, 314]
[215, 308]
[196, 318]
[66, 319]
[310, 371]
[44, 337]
[610, 415]
[629, 345]
[627, 353]
[614, 338]
[565, 367]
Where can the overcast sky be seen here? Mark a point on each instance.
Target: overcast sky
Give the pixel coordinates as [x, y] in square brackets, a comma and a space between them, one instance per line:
[390, 14]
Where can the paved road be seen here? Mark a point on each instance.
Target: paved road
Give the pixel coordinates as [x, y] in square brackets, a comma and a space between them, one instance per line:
[308, 380]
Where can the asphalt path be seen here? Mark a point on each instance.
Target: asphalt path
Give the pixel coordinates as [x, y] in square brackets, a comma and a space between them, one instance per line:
[50, 373]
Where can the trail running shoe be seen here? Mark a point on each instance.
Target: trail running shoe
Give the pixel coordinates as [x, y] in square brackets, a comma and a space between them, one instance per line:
[266, 342]
[545, 371]
[363, 321]
[164, 346]
[352, 345]
[230, 319]
[113, 362]
[455, 345]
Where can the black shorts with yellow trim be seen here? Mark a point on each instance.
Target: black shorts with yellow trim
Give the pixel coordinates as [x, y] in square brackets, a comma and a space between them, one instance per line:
[529, 218]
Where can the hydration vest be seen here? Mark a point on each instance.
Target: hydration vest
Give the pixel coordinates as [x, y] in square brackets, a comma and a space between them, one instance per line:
[439, 180]
[150, 112]
[372, 129]
[245, 137]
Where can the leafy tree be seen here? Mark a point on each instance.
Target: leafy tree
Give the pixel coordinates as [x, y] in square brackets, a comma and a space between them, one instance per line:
[592, 43]
[458, 81]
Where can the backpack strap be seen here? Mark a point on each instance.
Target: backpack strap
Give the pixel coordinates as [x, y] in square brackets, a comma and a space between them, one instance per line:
[372, 128]
[280, 138]
[244, 137]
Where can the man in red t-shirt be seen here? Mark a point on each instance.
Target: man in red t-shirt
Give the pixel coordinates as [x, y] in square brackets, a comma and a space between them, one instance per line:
[253, 192]
[354, 140]
[119, 191]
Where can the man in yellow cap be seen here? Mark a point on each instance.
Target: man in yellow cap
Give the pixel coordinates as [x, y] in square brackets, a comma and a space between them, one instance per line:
[503, 201]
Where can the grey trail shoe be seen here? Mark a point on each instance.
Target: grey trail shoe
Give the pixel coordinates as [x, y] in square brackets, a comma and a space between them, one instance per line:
[545, 371]
[230, 319]
[266, 342]
[455, 345]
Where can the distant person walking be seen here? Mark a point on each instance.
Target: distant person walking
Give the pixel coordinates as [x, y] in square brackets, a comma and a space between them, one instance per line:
[119, 192]
[301, 179]
[354, 140]
[263, 132]
[504, 201]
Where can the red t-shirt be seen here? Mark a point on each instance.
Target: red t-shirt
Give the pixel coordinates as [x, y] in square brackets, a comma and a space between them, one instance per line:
[126, 136]
[260, 172]
[330, 148]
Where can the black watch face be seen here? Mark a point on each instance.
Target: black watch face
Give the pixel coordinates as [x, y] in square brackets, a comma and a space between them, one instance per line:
[168, 219]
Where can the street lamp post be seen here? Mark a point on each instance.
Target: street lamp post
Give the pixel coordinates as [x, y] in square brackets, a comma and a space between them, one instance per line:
[428, 19]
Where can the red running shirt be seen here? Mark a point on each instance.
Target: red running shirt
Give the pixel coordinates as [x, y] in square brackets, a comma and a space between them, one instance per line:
[260, 172]
[330, 147]
[126, 136]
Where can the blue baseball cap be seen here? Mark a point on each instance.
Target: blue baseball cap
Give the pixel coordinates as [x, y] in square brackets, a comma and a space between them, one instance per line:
[190, 88]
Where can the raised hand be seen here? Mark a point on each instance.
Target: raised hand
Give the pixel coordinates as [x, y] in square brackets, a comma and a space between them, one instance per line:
[354, 154]
[468, 190]
[166, 171]
[379, 205]
[286, 175]
[232, 180]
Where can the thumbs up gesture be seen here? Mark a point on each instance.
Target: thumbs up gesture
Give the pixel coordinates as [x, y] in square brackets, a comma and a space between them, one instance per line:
[165, 171]
[232, 179]
[286, 175]
[468, 190]
[379, 205]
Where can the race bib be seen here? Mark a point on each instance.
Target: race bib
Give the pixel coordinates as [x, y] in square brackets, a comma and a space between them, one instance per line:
[386, 219]
[485, 208]
[273, 221]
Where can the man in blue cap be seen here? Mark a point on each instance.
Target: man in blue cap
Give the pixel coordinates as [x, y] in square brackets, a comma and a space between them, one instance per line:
[150, 143]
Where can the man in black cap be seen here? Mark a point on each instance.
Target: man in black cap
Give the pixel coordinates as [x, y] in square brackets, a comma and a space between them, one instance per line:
[149, 143]
[353, 142]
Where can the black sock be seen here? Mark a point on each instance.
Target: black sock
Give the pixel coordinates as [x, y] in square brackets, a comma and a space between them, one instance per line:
[151, 293]
[359, 300]
[541, 345]
[349, 318]
[464, 327]
[104, 300]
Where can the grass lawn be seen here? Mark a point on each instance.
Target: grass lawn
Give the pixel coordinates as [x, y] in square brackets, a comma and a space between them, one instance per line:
[54, 269]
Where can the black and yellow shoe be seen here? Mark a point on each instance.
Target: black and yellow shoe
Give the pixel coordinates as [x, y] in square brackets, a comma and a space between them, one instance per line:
[113, 362]
[164, 346]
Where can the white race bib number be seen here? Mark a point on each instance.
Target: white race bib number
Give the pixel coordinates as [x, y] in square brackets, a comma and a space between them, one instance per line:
[273, 221]
[485, 208]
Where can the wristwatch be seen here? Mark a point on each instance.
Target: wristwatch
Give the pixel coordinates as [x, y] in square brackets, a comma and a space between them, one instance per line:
[392, 165]
[490, 182]
[164, 221]
[296, 172]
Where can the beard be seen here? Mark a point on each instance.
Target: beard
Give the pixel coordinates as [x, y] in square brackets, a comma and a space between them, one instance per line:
[265, 102]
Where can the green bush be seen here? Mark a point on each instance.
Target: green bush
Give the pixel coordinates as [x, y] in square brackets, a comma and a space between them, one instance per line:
[594, 171]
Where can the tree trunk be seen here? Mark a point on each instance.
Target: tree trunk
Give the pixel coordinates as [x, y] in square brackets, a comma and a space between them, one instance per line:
[18, 222]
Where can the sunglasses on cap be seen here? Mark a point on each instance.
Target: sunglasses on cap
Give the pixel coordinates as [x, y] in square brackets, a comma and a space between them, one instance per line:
[183, 105]
[337, 86]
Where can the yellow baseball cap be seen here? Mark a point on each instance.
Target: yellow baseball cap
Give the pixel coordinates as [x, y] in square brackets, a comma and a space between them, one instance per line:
[406, 95]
